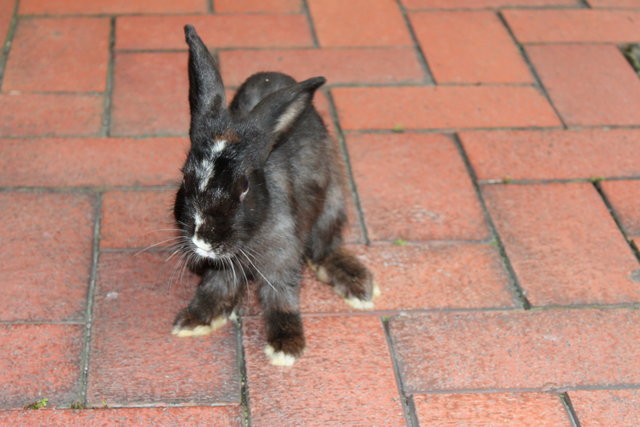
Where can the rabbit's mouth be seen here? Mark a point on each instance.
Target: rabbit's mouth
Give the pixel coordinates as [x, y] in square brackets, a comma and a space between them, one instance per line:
[204, 249]
[206, 254]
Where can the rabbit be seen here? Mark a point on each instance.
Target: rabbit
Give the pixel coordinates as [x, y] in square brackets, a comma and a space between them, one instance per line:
[261, 194]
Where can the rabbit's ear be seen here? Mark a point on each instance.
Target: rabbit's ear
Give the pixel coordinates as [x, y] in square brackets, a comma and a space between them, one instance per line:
[279, 110]
[206, 90]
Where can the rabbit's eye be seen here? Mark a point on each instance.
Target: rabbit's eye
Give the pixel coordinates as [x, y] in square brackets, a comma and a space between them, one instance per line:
[244, 188]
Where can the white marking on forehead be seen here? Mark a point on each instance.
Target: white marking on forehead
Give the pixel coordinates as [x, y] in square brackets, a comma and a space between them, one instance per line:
[205, 173]
[206, 166]
[198, 220]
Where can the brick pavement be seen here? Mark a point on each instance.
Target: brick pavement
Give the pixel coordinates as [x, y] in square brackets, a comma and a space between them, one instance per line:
[493, 152]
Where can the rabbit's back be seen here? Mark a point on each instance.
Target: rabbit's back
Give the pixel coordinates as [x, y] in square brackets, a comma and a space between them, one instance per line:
[256, 88]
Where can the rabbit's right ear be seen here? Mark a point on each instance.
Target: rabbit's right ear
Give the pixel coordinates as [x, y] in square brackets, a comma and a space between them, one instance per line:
[206, 90]
[277, 112]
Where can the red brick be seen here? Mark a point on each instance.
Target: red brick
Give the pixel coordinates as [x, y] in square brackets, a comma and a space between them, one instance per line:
[588, 84]
[614, 3]
[51, 162]
[150, 94]
[566, 25]
[218, 416]
[50, 114]
[45, 267]
[39, 361]
[477, 4]
[66, 54]
[442, 107]
[93, 7]
[359, 23]
[491, 409]
[544, 349]
[563, 244]
[258, 6]
[330, 384]
[606, 407]
[323, 106]
[399, 199]
[352, 231]
[422, 277]
[625, 198]
[373, 66]
[469, 47]
[134, 358]
[137, 219]
[165, 32]
[6, 14]
[553, 154]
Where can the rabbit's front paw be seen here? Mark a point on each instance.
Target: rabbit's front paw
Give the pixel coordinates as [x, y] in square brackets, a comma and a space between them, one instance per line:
[279, 358]
[285, 337]
[186, 325]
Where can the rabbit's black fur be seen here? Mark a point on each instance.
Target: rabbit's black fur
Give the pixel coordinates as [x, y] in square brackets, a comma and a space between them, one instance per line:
[262, 192]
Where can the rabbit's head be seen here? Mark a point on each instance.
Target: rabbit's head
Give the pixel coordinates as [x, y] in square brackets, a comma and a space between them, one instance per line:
[217, 206]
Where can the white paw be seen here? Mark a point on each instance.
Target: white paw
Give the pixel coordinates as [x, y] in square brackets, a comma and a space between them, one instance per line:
[218, 322]
[234, 317]
[198, 331]
[358, 303]
[322, 275]
[279, 358]
[320, 272]
[202, 330]
[361, 304]
[376, 290]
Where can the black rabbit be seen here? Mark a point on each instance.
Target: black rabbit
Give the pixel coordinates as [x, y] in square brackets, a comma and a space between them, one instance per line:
[262, 192]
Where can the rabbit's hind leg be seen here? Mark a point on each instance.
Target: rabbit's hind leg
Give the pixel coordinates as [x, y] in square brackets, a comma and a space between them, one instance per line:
[335, 265]
[350, 278]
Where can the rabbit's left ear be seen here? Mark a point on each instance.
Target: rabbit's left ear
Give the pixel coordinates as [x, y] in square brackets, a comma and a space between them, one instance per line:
[206, 90]
[279, 110]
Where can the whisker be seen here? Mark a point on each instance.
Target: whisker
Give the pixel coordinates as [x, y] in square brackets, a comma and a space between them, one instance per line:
[256, 255]
[246, 281]
[156, 244]
[174, 253]
[184, 267]
[178, 247]
[175, 271]
[235, 279]
[256, 268]
[163, 229]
